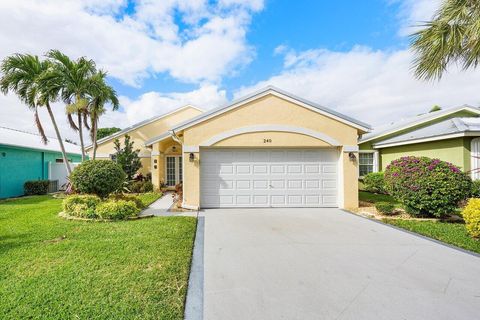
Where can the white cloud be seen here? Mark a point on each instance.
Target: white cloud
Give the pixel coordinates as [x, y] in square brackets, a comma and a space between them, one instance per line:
[374, 86]
[154, 103]
[414, 13]
[210, 45]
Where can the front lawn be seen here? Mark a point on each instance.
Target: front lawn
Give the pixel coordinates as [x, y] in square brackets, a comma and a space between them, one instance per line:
[52, 268]
[451, 233]
[149, 198]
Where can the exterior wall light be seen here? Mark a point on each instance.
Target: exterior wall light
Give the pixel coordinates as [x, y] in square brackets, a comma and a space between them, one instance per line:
[352, 156]
[191, 157]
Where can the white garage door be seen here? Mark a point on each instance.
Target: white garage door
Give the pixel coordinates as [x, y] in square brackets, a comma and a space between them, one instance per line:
[269, 178]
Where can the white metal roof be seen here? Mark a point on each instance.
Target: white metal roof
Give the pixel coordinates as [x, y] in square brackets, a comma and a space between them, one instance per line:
[410, 122]
[445, 129]
[16, 138]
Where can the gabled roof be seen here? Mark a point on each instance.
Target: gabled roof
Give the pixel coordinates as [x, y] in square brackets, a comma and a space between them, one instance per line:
[279, 93]
[161, 137]
[143, 123]
[411, 122]
[449, 128]
[16, 138]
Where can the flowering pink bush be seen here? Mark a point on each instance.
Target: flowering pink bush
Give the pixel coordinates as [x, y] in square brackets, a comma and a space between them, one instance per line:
[427, 186]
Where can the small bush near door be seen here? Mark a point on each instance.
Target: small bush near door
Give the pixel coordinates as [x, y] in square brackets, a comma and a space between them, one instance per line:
[471, 215]
[36, 187]
[374, 182]
[385, 208]
[141, 186]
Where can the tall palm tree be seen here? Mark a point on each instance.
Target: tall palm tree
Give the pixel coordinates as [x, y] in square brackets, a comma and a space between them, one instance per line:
[100, 93]
[23, 75]
[452, 36]
[74, 81]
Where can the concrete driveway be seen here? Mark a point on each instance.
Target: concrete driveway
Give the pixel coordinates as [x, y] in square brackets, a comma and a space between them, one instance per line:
[328, 264]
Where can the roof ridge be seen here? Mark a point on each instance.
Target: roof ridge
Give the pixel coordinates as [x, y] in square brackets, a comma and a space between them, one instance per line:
[27, 132]
[145, 122]
[413, 121]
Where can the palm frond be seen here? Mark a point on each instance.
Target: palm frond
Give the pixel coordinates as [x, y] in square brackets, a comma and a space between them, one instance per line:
[72, 123]
[452, 36]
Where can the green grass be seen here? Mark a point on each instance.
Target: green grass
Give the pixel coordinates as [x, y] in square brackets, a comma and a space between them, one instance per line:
[52, 268]
[451, 233]
[373, 198]
[149, 198]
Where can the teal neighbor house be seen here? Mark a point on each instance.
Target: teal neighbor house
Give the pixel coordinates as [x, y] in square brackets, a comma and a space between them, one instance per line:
[24, 157]
[451, 135]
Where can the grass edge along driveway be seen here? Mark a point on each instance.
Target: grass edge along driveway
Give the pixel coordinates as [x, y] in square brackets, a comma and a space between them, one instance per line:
[52, 268]
[451, 233]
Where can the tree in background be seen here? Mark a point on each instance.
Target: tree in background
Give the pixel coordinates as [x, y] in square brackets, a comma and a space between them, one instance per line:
[99, 94]
[435, 108]
[23, 74]
[105, 132]
[452, 36]
[127, 157]
[73, 80]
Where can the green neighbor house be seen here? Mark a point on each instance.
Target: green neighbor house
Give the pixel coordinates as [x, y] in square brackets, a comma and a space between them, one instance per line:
[24, 157]
[451, 135]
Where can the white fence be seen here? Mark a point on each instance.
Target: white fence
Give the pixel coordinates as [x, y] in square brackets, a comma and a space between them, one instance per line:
[57, 171]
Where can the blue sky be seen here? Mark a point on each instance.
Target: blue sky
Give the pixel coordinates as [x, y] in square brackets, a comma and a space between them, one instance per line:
[301, 25]
[352, 56]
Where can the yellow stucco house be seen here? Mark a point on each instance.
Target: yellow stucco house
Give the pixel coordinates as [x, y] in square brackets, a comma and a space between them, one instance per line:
[267, 149]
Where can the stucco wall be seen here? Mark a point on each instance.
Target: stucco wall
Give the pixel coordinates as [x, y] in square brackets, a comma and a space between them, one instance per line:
[144, 133]
[18, 165]
[270, 110]
[456, 151]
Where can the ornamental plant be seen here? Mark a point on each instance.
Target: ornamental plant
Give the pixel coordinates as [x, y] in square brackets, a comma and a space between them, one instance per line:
[427, 187]
[100, 177]
[471, 215]
[374, 182]
[385, 208]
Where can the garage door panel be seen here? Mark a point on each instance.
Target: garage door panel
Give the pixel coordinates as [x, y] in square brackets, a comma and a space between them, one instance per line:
[270, 177]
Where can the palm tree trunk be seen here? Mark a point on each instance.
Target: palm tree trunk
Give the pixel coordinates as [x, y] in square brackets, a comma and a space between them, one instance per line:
[95, 125]
[59, 138]
[80, 133]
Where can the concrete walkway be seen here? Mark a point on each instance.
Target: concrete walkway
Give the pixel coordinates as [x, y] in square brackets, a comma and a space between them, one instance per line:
[160, 207]
[325, 264]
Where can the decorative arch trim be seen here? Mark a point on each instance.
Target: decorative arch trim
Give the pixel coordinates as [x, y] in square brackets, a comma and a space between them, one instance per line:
[263, 128]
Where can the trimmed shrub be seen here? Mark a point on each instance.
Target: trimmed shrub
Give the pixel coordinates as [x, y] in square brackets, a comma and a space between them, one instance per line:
[374, 182]
[35, 187]
[471, 215]
[385, 208]
[128, 197]
[147, 187]
[100, 177]
[475, 189]
[425, 186]
[141, 186]
[81, 205]
[117, 209]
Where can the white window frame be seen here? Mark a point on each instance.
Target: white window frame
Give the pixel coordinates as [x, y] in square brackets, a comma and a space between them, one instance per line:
[177, 168]
[474, 160]
[375, 160]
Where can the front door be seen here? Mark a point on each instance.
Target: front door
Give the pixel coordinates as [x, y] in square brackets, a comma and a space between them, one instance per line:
[173, 170]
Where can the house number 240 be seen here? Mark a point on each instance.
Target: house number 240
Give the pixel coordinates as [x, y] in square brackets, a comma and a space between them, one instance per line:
[267, 140]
